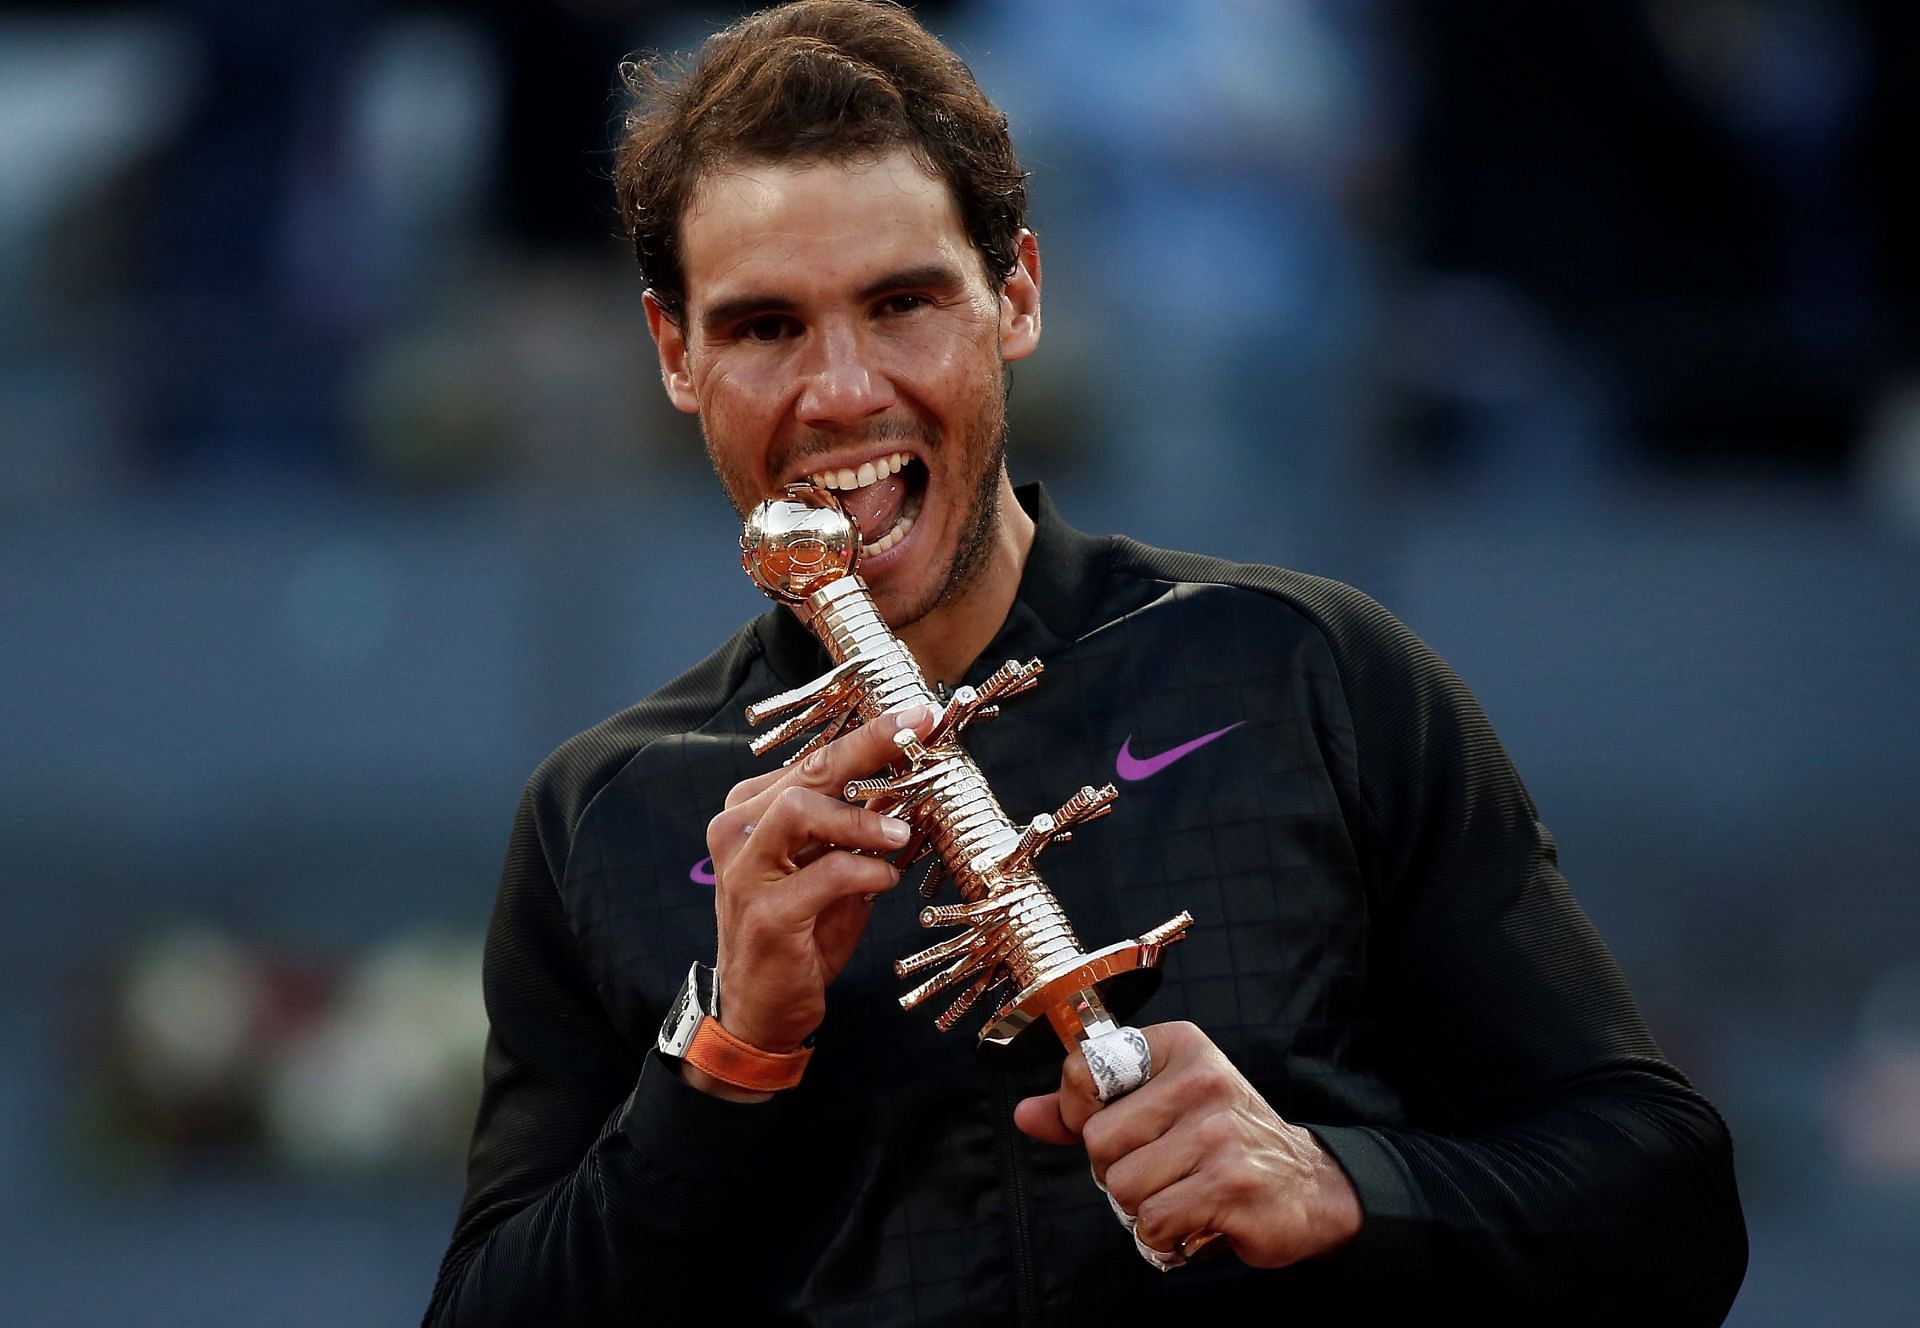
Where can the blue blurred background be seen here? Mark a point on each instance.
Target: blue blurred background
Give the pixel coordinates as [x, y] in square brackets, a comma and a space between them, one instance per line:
[336, 488]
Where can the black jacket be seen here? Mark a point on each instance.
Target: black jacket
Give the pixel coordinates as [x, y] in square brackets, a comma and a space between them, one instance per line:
[1383, 945]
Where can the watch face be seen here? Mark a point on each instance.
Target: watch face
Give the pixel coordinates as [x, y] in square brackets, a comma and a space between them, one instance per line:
[683, 1016]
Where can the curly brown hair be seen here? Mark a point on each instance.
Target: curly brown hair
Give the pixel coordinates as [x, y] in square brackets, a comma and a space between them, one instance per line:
[830, 79]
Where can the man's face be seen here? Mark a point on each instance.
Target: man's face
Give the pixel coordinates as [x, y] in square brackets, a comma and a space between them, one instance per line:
[840, 327]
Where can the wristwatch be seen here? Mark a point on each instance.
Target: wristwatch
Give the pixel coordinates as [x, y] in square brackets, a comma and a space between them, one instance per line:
[692, 1033]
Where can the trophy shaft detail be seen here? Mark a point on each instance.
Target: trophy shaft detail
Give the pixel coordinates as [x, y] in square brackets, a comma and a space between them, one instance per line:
[802, 549]
[1020, 927]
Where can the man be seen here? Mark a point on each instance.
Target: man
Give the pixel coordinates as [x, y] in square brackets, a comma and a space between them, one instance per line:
[1397, 1069]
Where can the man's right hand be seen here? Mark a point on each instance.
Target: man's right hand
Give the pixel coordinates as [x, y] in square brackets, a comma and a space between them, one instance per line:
[792, 894]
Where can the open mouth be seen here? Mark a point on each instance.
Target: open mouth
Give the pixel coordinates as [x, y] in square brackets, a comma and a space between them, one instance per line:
[882, 496]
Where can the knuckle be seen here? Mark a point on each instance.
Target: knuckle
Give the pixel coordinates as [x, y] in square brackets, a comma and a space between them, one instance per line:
[1237, 1187]
[861, 869]
[1214, 1130]
[1097, 1135]
[1210, 1082]
[1077, 1076]
[791, 801]
[1153, 1223]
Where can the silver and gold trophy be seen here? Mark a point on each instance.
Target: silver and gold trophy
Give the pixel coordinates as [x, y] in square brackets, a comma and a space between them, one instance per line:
[801, 549]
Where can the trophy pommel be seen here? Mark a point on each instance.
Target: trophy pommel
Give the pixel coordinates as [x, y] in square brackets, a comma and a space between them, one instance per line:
[794, 544]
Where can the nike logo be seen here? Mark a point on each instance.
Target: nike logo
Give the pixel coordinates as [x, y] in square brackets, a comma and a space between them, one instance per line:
[1135, 768]
[702, 873]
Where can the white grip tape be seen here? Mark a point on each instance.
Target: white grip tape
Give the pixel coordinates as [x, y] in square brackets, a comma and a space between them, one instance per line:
[1121, 1061]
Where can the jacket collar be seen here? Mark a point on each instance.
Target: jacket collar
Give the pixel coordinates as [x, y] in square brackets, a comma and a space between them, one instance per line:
[1059, 587]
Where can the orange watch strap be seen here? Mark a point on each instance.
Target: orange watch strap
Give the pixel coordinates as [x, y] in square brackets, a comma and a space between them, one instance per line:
[724, 1056]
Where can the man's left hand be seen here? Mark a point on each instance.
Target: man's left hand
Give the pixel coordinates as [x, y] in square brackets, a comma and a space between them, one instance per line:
[1196, 1149]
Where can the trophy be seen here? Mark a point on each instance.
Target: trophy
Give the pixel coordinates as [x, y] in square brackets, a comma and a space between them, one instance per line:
[801, 549]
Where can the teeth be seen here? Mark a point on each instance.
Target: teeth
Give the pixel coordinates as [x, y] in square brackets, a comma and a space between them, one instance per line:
[869, 472]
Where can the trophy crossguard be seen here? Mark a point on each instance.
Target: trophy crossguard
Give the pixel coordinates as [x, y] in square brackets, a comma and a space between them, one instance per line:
[802, 549]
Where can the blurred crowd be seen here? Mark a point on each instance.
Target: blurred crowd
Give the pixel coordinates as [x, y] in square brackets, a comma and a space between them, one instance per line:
[363, 240]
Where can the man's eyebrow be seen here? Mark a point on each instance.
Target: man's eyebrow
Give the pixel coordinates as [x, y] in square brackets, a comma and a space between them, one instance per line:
[938, 276]
[716, 316]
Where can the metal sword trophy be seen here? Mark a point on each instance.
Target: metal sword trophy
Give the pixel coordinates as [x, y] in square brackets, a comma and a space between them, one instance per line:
[801, 549]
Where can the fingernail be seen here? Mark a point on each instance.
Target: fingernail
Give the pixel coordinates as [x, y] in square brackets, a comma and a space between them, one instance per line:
[910, 716]
[896, 830]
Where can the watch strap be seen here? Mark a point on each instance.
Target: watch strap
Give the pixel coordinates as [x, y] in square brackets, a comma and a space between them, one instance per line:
[693, 1035]
[719, 1053]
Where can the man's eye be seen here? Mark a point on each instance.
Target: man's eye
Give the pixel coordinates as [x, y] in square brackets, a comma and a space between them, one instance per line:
[901, 304]
[767, 327]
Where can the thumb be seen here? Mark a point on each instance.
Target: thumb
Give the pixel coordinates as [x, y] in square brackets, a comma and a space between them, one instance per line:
[1039, 1117]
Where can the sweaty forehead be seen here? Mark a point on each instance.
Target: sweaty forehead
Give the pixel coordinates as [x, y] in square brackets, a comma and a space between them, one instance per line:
[814, 223]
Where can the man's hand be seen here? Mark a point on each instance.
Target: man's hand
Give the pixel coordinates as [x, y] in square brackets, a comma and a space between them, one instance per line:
[1196, 1149]
[796, 869]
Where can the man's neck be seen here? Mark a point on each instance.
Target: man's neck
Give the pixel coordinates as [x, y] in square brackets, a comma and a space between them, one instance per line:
[948, 641]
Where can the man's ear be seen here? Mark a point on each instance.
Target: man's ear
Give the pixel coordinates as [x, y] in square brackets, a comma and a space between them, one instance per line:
[1020, 301]
[671, 344]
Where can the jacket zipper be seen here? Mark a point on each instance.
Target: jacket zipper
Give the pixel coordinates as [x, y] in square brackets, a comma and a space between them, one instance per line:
[1014, 1170]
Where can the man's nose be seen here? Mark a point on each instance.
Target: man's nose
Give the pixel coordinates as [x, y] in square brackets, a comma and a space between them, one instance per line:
[844, 386]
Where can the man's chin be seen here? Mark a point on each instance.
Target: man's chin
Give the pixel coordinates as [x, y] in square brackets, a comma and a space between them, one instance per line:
[909, 589]
[902, 606]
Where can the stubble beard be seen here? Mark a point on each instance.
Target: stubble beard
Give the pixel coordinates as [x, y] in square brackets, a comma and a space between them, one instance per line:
[988, 436]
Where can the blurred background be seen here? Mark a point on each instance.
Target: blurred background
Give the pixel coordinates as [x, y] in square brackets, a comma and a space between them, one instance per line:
[336, 488]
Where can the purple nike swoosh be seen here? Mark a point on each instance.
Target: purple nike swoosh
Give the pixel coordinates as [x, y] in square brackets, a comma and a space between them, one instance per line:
[702, 873]
[1134, 768]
